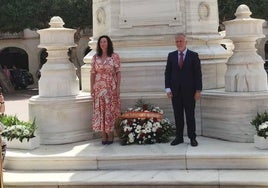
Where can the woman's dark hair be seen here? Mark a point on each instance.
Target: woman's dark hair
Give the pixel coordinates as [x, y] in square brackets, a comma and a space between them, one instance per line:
[110, 48]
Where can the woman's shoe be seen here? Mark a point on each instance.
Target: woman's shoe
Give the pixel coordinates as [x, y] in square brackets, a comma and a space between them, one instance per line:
[104, 142]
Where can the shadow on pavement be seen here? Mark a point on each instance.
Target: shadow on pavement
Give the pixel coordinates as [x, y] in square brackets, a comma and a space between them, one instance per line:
[21, 94]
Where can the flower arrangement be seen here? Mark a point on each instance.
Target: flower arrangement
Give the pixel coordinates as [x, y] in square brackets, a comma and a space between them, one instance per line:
[143, 124]
[260, 122]
[17, 129]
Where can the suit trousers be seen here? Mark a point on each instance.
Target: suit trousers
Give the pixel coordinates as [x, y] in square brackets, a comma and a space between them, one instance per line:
[183, 102]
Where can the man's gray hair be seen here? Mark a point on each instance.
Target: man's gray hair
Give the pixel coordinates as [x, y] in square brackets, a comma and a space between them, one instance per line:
[180, 34]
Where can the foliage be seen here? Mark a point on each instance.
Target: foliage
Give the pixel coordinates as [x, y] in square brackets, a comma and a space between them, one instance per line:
[144, 127]
[17, 129]
[16, 15]
[227, 8]
[260, 122]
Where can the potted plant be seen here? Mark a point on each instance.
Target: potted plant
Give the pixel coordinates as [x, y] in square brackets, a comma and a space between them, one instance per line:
[19, 134]
[260, 122]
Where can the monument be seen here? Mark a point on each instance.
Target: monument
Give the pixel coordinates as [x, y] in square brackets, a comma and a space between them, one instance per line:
[143, 35]
[61, 111]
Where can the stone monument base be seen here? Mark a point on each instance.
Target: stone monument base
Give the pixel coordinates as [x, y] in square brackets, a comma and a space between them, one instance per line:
[227, 115]
[63, 120]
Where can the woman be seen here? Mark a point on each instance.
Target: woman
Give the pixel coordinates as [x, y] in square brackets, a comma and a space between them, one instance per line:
[105, 89]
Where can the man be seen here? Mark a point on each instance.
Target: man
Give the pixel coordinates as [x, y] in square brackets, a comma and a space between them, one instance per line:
[183, 83]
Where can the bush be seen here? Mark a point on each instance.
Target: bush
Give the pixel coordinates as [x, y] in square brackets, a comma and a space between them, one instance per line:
[260, 122]
[17, 129]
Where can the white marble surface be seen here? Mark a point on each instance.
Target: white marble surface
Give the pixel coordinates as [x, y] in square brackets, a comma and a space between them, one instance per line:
[62, 120]
[213, 163]
[92, 155]
[227, 115]
[183, 178]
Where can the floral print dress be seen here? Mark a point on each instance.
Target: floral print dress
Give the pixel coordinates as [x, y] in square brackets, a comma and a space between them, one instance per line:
[106, 103]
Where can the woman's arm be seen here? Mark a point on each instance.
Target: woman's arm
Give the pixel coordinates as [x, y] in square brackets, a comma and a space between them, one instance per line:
[118, 83]
[92, 82]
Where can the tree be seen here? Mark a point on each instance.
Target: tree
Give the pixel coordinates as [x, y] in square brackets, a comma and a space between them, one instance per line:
[227, 8]
[16, 15]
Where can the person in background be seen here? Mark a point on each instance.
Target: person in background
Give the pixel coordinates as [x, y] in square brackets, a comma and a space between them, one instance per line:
[2, 111]
[183, 84]
[7, 72]
[105, 81]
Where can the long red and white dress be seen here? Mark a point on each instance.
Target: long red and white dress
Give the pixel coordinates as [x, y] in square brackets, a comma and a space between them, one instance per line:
[106, 103]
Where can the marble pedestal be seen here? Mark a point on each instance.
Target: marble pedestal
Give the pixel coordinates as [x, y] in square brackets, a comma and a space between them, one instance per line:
[63, 119]
[227, 115]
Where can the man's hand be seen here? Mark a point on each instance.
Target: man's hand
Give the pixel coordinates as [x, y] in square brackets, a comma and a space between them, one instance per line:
[197, 95]
[169, 95]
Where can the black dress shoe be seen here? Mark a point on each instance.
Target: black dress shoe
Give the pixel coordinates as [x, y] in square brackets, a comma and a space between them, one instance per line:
[176, 141]
[194, 142]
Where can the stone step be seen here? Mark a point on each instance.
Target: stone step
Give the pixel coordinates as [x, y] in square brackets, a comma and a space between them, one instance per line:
[91, 155]
[137, 178]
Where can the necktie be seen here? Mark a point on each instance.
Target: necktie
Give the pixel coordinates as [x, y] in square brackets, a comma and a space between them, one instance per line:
[181, 60]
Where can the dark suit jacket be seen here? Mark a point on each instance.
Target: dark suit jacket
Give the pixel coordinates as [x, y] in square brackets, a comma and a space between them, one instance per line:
[189, 78]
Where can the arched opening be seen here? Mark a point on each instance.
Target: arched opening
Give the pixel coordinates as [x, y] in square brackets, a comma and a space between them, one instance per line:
[12, 56]
[43, 58]
[266, 56]
[15, 65]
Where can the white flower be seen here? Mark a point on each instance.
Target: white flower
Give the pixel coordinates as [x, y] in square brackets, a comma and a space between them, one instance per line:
[263, 126]
[131, 137]
[149, 124]
[147, 129]
[154, 129]
[26, 132]
[127, 128]
[157, 125]
[138, 129]
[124, 121]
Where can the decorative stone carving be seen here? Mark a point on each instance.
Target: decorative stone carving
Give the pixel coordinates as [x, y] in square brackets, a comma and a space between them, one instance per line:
[204, 10]
[101, 16]
[147, 14]
[245, 71]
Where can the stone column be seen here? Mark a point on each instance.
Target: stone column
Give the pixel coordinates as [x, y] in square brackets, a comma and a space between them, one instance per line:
[58, 77]
[245, 68]
[61, 112]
